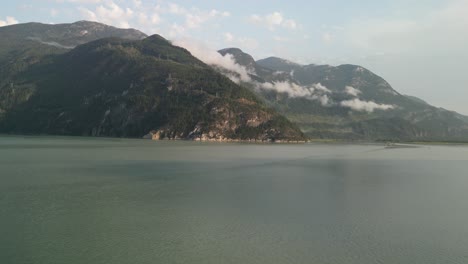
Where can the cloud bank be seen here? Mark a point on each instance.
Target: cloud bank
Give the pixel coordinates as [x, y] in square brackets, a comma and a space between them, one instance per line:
[240, 74]
[316, 92]
[273, 21]
[175, 20]
[8, 21]
[352, 91]
[212, 57]
[368, 106]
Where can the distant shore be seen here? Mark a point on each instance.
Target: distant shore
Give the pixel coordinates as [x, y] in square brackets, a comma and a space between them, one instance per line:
[323, 141]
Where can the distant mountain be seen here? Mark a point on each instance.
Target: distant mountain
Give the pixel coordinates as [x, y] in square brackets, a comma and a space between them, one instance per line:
[87, 78]
[24, 44]
[348, 102]
[257, 71]
[279, 64]
[128, 85]
[242, 58]
[66, 35]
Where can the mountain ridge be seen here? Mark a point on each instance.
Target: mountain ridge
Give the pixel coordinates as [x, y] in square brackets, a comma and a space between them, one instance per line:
[357, 104]
[332, 102]
[132, 88]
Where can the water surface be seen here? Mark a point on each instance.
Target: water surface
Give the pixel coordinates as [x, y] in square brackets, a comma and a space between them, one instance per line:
[89, 200]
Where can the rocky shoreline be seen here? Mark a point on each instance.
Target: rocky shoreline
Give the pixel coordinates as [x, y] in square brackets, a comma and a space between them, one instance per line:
[162, 136]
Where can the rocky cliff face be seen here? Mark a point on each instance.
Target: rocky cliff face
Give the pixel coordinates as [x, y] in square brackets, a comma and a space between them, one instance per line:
[230, 126]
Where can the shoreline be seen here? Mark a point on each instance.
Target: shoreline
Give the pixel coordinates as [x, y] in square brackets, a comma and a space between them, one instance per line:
[321, 141]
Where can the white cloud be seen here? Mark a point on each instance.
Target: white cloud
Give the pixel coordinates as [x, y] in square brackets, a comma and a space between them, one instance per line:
[53, 12]
[368, 106]
[215, 13]
[8, 21]
[241, 42]
[26, 6]
[281, 39]
[239, 74]
[289, 24]
[170, 19]
[110, 13]
[193, 21]
[87, 14]
[327, 37]
[156, 19]
[320, 87]
[352, 91]
[51, 43]
[212, 57]
[317, 92]
[273, 21]
[256, 19]
[323, 99]
[177, 10]
[137, 3]
[228, 37]
[289, 88]
[176, 30]
[146, 21]
[195, 17]
[143, 19]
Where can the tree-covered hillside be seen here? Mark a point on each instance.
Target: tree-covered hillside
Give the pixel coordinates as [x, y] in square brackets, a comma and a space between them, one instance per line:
[132, 88]
[347, 102]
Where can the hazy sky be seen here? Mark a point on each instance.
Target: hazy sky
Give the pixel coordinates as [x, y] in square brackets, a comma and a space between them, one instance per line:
[420, 47]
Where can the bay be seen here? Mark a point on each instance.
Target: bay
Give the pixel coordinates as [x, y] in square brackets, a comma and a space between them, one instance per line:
[99, 200]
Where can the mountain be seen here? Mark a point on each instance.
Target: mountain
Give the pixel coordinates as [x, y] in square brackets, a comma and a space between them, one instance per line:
[23, 44]
[241, 58]
[347, 102]
[257, 71]
[67, 35]
[127, 85]
[87, 78]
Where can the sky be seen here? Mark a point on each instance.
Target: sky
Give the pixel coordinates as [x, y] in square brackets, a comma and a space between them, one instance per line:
[418, 46]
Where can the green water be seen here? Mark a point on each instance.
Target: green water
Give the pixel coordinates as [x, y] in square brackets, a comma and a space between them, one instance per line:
[83, 200]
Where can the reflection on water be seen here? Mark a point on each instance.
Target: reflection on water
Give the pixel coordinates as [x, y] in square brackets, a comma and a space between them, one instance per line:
[80, 200]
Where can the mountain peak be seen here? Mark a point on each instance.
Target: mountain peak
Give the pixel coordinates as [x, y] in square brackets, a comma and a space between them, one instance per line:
[277, 60]
[231, 50]
[87, 22]
[68, 35]
[158, 39]
[240, 57]
[278, 64]
[280, 59]
[129, 88]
